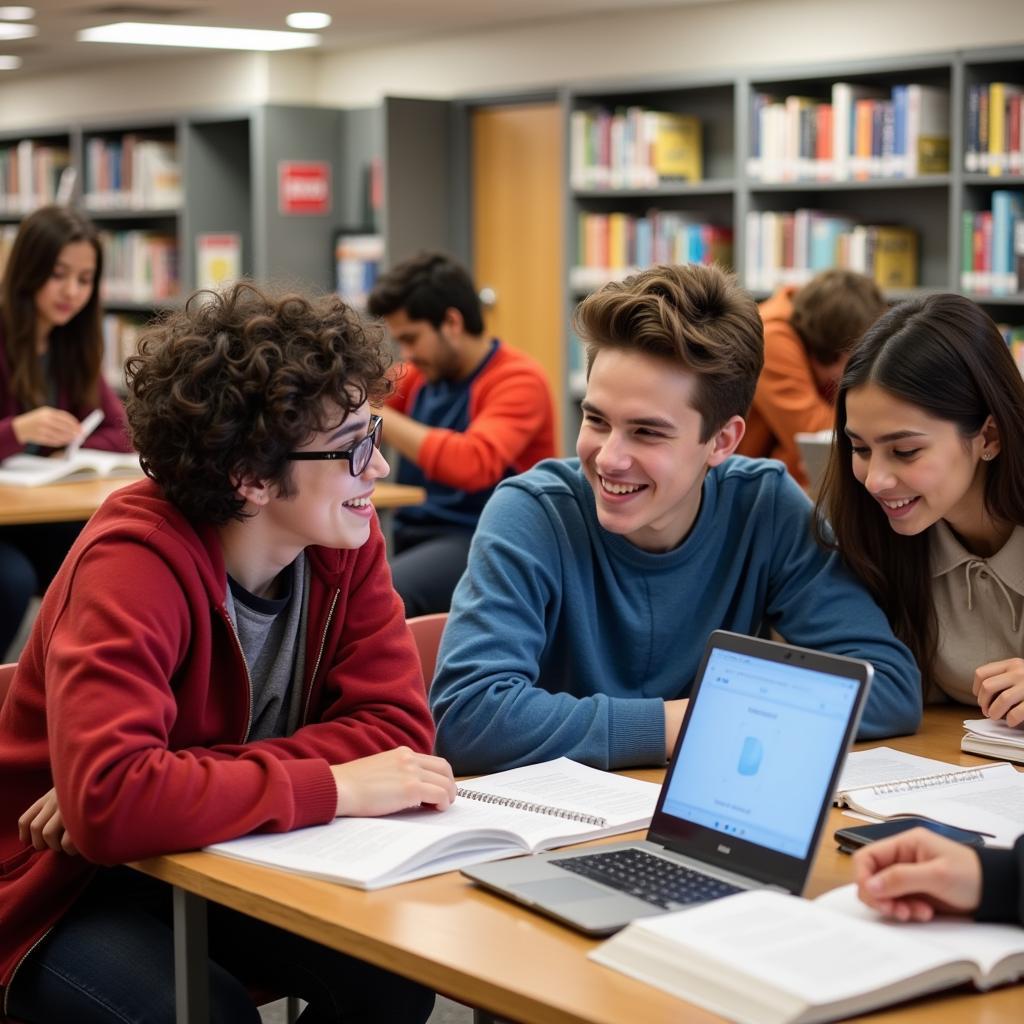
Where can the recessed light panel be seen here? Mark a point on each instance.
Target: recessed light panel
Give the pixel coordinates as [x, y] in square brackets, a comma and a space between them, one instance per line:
[9, 63]
[200, 36]
[9, 31]
[17, 13]
[311, 20]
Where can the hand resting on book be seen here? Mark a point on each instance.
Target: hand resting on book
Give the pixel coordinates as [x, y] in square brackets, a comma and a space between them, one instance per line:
[914, 875]
[394, 780]
[999, 687]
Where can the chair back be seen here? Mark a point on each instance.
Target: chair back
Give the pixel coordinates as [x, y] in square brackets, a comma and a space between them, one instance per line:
[426, 631]
[6, 675]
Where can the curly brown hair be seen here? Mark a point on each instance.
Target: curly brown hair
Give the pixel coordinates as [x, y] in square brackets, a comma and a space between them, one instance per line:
[693, 315]
[222, 390]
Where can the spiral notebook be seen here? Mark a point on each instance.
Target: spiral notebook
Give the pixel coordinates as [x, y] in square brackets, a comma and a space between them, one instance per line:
[523, 810]
[988, 799]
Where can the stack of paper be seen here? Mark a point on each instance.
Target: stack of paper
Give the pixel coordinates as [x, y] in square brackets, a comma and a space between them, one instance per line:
[993, 739]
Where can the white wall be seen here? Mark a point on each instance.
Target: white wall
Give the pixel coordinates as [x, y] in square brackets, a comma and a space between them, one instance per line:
[742, 34]
[724, 35]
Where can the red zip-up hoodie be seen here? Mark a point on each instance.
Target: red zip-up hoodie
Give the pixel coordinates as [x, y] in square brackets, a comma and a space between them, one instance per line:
[133, 699]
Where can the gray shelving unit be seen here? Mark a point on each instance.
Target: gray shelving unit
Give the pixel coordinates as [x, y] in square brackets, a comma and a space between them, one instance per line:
[933, 205]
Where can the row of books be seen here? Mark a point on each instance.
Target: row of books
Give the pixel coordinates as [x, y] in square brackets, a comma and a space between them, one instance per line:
[617, 240]
[30, 174]
[790, 248]
[133, 173]
[139, 266]
[860, 132]
[992, 246]
[994, 133]
[357, 263]
[633, 147]
[120, 340]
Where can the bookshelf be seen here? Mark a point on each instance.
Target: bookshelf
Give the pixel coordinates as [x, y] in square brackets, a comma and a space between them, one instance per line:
[734, 188]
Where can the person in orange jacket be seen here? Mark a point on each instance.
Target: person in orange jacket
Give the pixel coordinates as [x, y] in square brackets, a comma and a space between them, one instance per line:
[808, 335]
[467, 412]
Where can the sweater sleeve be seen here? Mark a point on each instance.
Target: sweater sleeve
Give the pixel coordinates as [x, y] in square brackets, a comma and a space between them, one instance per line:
[112, 433]
[513, 406]
[1002, 884]
[813, 601]
[491, 708]
[111, 704]
[787, 395]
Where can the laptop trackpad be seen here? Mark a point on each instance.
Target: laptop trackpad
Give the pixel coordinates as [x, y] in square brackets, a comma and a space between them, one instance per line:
[562, 890]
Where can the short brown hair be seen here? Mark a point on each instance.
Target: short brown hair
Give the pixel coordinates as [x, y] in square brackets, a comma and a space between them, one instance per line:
[698, 317]
[833, 310]
[221, 391]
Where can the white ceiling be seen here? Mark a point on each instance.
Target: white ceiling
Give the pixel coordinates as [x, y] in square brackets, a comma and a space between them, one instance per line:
[357, 23]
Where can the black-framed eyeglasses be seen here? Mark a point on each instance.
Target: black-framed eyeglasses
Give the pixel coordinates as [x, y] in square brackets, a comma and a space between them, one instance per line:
[358, 455]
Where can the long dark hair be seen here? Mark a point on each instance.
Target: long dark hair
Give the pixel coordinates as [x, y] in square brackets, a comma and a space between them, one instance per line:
[76, 348]
[946, 356]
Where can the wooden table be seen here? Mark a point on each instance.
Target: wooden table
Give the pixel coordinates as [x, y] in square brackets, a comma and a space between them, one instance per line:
[484, 951]
[55, 503]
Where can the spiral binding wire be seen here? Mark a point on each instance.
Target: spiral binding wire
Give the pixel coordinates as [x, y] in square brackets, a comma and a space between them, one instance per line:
[529, 805]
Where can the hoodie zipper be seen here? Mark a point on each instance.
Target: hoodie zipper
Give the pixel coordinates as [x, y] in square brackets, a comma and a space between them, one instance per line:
[319, 657]
[17, 967]
[245, 665]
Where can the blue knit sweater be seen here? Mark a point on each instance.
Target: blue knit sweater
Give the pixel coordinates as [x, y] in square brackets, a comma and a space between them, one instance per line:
[565, 639]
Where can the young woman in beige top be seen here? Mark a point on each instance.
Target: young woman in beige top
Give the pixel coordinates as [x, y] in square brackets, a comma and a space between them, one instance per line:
[924, 495]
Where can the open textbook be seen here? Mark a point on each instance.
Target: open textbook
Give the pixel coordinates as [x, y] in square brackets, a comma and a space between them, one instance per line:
[764, 957]
[523, 810]
[84, 464]
[993, 739]
[988, 799]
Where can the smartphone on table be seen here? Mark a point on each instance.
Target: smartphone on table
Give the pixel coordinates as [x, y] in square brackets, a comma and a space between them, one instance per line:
[852, 838]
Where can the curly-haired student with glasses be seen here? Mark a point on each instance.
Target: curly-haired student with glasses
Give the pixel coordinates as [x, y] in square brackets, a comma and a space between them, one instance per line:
[221, 653]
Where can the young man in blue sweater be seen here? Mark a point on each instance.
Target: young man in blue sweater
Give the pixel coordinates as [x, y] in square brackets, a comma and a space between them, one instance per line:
[593, 583]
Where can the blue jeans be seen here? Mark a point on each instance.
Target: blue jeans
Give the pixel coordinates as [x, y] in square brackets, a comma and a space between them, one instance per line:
[428, 562]
[110, 960]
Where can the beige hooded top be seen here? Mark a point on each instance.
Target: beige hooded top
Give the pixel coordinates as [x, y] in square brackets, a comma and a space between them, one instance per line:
[979, 603]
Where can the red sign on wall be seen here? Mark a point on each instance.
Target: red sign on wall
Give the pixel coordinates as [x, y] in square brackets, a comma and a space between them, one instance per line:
[303, 186]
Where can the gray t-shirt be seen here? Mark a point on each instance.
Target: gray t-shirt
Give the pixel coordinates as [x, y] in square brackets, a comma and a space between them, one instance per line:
[273, 637]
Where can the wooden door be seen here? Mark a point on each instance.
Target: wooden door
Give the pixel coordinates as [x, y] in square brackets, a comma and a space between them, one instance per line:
[517, 218]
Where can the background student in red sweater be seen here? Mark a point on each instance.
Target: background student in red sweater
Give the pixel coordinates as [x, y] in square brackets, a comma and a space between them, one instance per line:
[468, 412]
[221, 653]
[808, 335]
[51, 347]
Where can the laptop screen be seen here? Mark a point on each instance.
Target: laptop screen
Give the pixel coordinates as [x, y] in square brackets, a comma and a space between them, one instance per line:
[761, 746]
[755, 733]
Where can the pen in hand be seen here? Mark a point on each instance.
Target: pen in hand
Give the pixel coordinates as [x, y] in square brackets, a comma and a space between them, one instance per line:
[89, 424]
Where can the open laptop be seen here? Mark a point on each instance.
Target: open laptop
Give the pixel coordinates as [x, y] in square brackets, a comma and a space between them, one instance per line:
[744, 797]
[815, 449]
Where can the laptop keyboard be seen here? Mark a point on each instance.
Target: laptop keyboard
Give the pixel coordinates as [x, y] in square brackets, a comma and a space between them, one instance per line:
[652, 879]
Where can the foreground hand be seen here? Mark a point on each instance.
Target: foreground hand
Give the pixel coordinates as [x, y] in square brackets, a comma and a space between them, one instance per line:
[999, 687]
[916, 874]
[51, 428]
[394, 780]
[674, 711]
[43, 827]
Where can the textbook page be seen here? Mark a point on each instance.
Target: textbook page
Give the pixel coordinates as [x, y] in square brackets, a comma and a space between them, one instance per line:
[988, 799]
[559, 802]
[884, 764]
[763, 957]
[86, 463]
[986, 944]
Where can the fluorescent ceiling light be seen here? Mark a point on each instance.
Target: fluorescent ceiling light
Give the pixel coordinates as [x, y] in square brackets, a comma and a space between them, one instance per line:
[148, 34]
[308, 19]
[17, 13]
[9, 63]
[8, 31]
